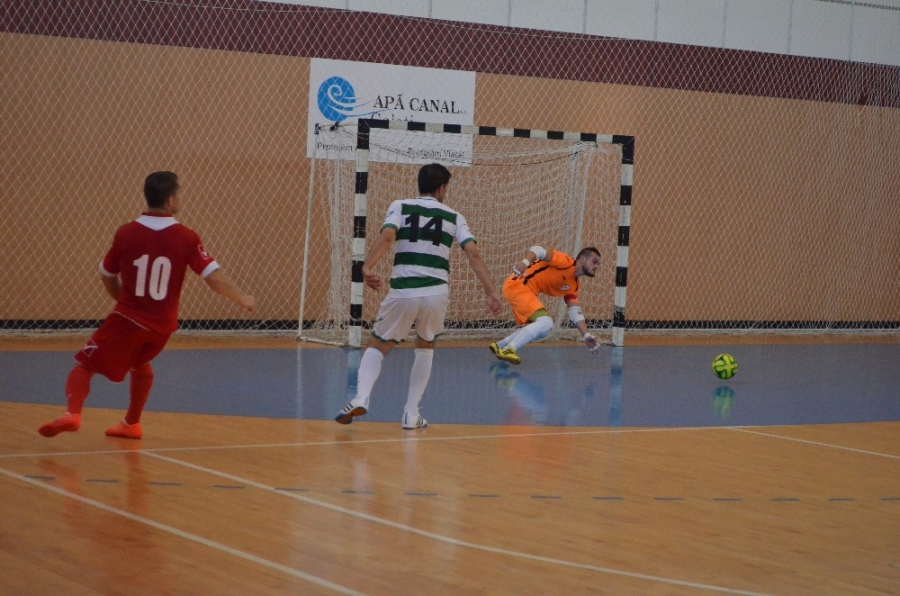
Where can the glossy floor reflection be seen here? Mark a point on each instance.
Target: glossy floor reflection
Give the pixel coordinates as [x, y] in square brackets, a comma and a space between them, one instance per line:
[559, 386]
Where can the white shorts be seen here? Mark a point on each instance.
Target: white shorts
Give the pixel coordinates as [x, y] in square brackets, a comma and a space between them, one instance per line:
[396, 317]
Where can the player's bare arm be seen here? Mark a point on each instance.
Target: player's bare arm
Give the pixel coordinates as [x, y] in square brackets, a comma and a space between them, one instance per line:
[481, 272]
[383, 244]
[577, 318]
[534, 254]
[112, 285]
[221, 284]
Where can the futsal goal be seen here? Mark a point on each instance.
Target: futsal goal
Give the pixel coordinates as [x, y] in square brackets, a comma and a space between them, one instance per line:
[516, 188]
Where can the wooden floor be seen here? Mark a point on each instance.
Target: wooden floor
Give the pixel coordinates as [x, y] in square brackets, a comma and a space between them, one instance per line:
[230, 505]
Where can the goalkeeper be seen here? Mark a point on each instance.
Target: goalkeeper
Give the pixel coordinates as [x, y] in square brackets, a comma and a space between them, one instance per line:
[552, 273]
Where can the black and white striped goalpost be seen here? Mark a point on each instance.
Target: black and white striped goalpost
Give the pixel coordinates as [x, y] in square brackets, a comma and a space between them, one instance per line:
[362, 186]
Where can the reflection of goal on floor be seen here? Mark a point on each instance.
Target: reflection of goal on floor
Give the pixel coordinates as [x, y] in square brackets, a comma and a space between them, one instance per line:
[515, 187]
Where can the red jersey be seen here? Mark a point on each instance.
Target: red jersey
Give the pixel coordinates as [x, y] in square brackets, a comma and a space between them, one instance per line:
[151, 255]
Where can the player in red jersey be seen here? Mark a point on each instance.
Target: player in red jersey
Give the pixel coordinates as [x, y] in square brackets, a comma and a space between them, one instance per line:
[143, 272]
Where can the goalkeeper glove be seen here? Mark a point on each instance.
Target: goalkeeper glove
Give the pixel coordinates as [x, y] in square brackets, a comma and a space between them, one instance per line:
[516, 272]
[594, 348]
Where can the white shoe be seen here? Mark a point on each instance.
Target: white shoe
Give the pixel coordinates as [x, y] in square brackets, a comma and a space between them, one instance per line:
[411, 424]
[349, 412]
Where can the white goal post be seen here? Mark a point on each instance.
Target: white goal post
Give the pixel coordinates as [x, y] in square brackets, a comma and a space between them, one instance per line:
[516, 188]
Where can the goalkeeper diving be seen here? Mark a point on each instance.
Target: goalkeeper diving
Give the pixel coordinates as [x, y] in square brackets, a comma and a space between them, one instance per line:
[551, 273]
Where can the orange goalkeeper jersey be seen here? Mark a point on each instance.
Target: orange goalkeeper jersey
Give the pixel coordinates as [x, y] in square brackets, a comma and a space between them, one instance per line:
[555, 277]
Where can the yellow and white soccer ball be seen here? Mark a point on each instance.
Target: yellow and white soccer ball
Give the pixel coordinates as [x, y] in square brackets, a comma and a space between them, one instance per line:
[724, 366]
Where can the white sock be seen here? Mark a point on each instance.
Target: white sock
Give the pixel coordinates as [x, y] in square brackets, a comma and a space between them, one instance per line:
[537, 330]
[369, 369]
[418, 380]
[505, 341]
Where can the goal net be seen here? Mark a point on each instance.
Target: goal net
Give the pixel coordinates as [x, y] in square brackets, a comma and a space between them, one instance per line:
[514, 192]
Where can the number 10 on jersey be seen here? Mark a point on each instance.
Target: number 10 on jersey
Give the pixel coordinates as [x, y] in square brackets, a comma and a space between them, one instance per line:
[159, 277]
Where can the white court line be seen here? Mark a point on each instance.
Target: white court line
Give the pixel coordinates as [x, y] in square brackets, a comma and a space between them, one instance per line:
[745, 429]
[401, 440]
[756, 432]
[447, 539]
[226, 549]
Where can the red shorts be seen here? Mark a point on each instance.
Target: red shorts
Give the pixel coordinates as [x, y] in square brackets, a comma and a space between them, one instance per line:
[118, 346]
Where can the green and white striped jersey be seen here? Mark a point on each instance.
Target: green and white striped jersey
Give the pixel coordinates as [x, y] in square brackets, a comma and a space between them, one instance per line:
[426, 229]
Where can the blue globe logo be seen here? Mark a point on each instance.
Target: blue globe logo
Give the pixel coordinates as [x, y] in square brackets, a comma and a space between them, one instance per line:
[336, 99]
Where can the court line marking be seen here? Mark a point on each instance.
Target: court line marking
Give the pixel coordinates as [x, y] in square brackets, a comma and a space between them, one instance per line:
[453, 541]
[745, 429]
[365, 441]
[192, 537]
[808, 442]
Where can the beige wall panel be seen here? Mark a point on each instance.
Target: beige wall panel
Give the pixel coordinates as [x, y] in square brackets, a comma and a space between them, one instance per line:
[88, 120]
[717, 174]
[744, 207]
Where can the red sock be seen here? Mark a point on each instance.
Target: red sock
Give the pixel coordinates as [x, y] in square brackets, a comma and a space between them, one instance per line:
[141, 382]
[78, 385]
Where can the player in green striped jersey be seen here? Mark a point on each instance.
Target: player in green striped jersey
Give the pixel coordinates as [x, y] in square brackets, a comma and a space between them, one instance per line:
[422, 231]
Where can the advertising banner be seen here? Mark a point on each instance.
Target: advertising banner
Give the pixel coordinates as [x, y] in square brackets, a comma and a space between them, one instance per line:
[341, 92]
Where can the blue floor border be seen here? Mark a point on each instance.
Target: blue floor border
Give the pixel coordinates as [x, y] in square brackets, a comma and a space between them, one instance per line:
[635, 386]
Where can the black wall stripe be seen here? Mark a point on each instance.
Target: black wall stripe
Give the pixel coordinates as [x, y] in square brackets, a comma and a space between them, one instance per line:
[303, 31]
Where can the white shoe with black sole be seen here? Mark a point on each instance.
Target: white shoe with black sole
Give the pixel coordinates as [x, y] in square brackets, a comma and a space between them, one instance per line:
[410, 423]
[348, 413]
